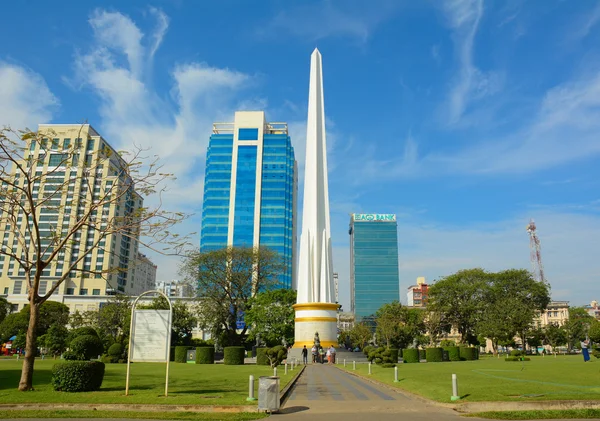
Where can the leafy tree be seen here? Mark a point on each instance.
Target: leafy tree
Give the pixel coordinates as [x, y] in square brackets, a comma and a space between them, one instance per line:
[50, 312]
[436, 325]
[535, 338]
[594, 332]
[183, 322]
[227, 279]
[83, 318]
[397, 325]
[25, 193]
[360, 335]
[555, 336]
[13, 324]
[4, 308]
[521, 299]
[113, 320]
[460, 297]
[492, 323]
[271, 316]
[55, 340]
[576, 328]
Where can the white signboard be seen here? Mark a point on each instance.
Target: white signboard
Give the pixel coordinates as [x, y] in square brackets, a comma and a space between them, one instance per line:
[150, 336]
[374, 217]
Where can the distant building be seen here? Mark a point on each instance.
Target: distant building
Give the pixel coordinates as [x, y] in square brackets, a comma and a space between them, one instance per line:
[418, 295]
[345, 320]
[374, 274]
[250, 188]
[557, 313]
[144, 274]
[593, 309]
[175, 288]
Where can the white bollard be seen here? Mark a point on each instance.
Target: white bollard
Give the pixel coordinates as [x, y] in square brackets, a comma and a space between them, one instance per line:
[251, 389]
[455, 395]
[369, 368]
[396, 374]
[344, 362]
[274, 371]
[353, 365]
[285, 372]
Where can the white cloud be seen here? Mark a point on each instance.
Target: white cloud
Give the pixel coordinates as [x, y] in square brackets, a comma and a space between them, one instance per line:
[313, 22]
[25, 99]
[471, 84]
[587, 23]
[175, 127]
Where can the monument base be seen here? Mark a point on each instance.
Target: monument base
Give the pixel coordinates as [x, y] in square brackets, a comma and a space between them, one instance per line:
[316, 317]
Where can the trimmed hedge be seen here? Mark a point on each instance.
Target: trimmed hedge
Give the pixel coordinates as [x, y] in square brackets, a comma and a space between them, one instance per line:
[261, 356]
[516, 353]
[276, 355]
[87, 347]
[205, 355]
[172, 354]
[78, 376]
[181, 354]
[234, 355]
[410, 355]
[115, 350]
[517, 359]
[434, 355]
[453, 353]
[394, 354]
[467, 354]
[422, 354]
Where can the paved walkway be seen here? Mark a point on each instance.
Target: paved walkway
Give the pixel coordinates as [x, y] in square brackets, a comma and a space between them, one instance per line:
[330, 392]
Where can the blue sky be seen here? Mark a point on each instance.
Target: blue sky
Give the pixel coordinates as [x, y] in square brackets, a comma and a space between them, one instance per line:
[464, 117]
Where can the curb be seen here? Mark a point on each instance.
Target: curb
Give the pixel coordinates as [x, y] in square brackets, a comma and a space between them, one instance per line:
[288, 387]
[131, 407]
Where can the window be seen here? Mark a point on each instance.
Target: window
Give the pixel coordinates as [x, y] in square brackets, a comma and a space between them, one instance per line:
[96, 291]
[90, 145]
[42, 288]
[248, 134]
[66, 143]
[83, 291]
[55, 144]
[17, 287]
[5, 290]
[78, 143]
[56, 159]
[70, 291]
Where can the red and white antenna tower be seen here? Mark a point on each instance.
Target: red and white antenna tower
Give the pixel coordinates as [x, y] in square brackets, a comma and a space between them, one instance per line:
[536, 252]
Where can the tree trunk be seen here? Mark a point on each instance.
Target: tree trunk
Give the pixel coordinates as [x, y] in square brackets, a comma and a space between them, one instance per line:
[26, 382]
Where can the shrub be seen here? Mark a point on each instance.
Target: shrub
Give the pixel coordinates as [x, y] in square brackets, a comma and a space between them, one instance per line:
[388, 365]
[367, 350]
[422, 355]
[115, 350]
[205, 355]
[70, 356]
[410, 355]
[108, 359]
[517, 359]
[467, 353]
[394, 354]
[596, 352]
[78, 376]
[434, 355]
[172, 354]
[261, 356]
[453, 353]
[381, 356]
[516, 353]
[276, 355]
[81, 331]
[447, 342]
[181, 353]
[234, 355]
[87, 347]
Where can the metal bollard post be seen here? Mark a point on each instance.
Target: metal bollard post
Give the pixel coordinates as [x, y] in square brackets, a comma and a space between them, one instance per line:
[396, 374]
[285, 372]
[353, 365]
[455, 395]
[274, 371]
[369, 368]
[251, 389]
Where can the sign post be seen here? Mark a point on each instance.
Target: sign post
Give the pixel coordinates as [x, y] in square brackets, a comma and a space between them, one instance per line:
[150, 337]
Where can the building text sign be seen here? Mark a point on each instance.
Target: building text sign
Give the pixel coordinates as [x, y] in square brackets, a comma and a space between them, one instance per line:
[150, 336]
[384, 217]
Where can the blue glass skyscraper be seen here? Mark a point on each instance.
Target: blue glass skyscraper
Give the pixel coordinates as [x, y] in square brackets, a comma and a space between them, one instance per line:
[374, 274]
[250, 188]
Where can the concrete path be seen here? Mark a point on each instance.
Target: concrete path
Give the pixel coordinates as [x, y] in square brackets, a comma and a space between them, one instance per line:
[329, 393]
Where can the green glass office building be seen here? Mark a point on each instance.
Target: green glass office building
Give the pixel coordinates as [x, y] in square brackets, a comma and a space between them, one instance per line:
[374, 275]
[250, 188]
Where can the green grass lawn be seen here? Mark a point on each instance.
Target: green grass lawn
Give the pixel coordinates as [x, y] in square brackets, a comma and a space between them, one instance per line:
[186, 416]
[189, 384]
[492, 379]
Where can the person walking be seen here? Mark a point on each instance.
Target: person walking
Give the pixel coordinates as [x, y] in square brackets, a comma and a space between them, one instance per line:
[305, 355]
[321, 355]
[584, 350]
[314, 353]
[328, 354]
[332, 352]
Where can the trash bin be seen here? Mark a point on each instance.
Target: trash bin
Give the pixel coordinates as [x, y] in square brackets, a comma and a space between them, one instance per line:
[268, 393]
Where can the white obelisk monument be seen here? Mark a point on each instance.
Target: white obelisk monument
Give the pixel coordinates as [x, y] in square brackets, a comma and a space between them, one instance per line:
[316, 310]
